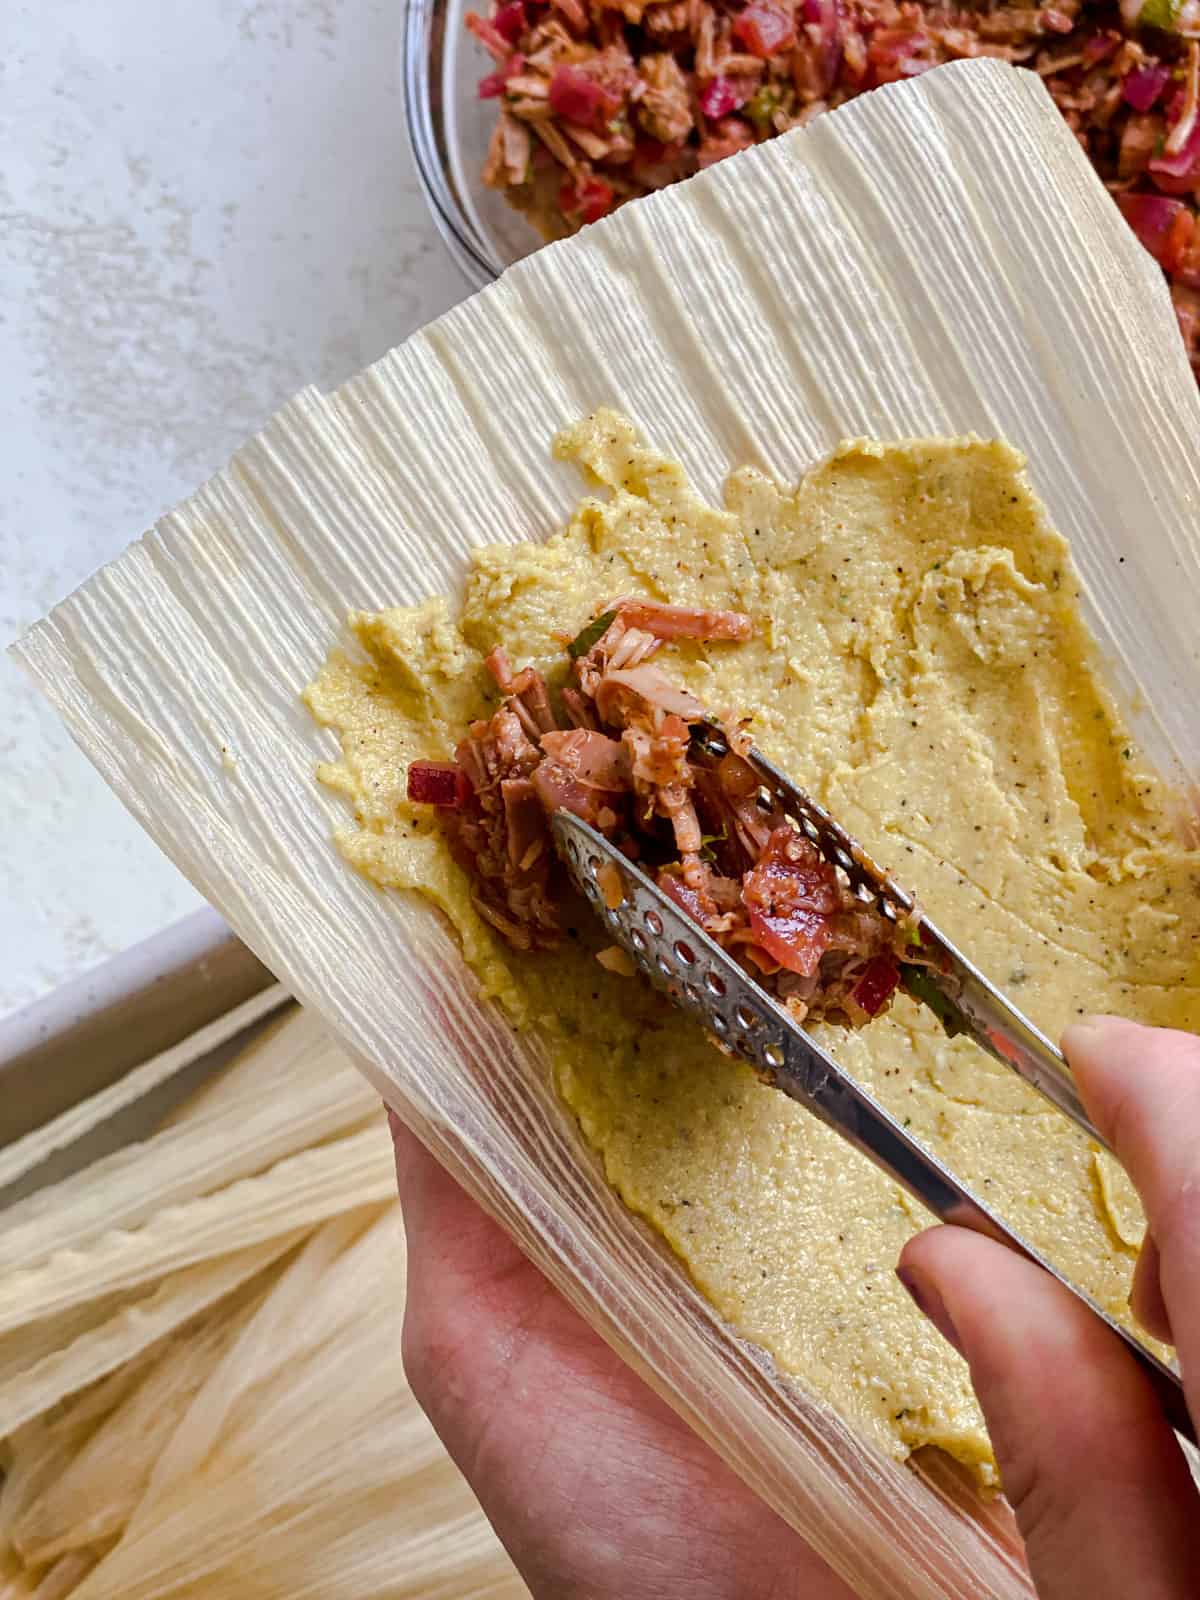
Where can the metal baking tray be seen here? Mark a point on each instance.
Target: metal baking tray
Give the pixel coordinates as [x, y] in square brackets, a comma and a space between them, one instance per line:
[85, 1036]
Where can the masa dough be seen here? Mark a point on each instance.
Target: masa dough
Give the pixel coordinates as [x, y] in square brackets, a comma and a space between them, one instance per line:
[920, 666]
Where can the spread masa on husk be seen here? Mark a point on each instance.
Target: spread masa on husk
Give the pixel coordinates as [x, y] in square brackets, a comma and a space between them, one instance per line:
[921, 667]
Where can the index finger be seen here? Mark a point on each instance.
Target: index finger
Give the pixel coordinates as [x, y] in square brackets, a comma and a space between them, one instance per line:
[1141, 1087]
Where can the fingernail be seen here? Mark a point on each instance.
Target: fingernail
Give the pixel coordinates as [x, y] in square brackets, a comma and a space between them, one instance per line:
[930, 1304]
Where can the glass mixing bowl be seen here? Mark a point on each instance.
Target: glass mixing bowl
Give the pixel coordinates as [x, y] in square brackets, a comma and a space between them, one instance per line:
[449, 128]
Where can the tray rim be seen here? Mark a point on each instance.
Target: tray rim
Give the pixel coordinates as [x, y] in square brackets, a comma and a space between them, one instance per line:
[90, 1031]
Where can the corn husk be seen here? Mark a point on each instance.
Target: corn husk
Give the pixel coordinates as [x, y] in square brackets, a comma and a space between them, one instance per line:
[24, 1346]
[90, 1490]
[268, 1473]
[271, 1449]
[243, 1425]
[57, 1360]
[295, 1193]
[934, 258]
[24, 1155]
[290, 1091]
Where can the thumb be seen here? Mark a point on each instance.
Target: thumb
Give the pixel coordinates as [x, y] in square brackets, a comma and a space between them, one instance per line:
[1101, 1491]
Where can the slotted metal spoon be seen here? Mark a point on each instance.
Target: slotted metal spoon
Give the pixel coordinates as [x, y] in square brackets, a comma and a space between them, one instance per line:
[679, 957]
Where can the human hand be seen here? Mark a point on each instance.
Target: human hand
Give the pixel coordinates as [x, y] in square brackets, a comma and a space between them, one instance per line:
[596, 1488]
[1100, 1487]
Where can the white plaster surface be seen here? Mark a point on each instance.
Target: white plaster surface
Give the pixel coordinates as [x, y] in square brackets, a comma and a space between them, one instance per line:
[204, 204]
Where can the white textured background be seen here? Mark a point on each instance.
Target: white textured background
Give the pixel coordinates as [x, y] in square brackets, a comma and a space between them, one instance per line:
[204, 204]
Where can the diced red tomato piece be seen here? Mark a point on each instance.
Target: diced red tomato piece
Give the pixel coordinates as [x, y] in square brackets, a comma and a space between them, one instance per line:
[1163, 181]
[878, 983]
[1187, 313]
[438, 783]
[673, 885]
[574, 96]
[1187, 270]
[1177, 245]
[791, 894]
[509, 21]
[598, 200]
[764, 30]
[493, 85]
[1164, 226]
[655, 151]
[577, 96]
[898, 53]
[589, 199]
[1180, 172]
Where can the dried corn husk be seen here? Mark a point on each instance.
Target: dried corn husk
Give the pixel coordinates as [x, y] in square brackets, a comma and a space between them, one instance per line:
[56, 1361]
[301, 1466]
[273, 1449]
[92, 1489]
[23, 1347]
[934, 258]
[291, 1091]
[25, 1154]
[254, 1433]
[288, 1090]
[294, 1194]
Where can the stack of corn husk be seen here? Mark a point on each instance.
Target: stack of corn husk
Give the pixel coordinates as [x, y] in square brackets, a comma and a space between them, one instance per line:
[201, 1390]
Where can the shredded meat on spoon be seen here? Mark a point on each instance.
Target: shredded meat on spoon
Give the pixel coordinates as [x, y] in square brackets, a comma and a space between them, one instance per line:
[627, 763]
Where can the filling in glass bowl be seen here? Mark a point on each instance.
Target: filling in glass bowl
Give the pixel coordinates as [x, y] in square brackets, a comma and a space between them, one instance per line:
[599, 101]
